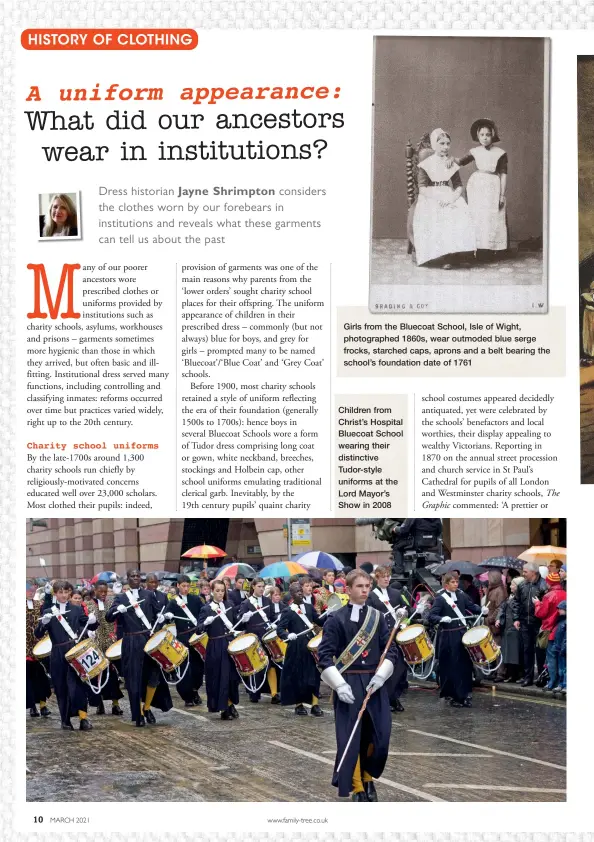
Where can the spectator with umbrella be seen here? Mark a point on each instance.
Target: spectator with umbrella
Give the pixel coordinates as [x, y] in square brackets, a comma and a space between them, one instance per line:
[508, 565]
[496, 596]
[511, 642]
[547, 611]
[525, 620]
[204, 552]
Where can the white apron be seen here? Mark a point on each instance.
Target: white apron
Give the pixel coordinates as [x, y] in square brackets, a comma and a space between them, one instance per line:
[438, 231]
[483, 190]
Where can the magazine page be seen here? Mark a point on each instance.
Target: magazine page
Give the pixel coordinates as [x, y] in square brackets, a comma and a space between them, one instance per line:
[296, 460]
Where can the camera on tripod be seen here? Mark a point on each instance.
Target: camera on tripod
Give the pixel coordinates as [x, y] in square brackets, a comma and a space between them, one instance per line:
[416, 544]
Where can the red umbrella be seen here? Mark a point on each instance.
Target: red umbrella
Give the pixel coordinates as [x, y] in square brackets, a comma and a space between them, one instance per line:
[204, 551]
[105, 576]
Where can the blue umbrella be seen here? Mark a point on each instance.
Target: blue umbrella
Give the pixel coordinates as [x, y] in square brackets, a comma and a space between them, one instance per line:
[320, 559]
[282, 570]
[106, 576]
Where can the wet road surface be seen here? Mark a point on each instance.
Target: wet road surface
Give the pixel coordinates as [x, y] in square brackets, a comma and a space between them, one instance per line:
[505, 748]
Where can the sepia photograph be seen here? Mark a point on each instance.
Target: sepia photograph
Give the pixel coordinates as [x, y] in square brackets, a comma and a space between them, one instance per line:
[460, 171]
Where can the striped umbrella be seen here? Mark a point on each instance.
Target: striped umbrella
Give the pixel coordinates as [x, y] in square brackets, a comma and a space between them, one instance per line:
[105, 576]
[236, 569]
[282, 570]
[319, 559]
[204, 551]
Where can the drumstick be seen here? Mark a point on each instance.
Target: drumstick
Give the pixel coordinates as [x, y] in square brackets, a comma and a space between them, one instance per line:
[366, 699]
[82, 632]
[132, 606]
[159, 619]
[306, 631]
[238, 623]
[481, 615]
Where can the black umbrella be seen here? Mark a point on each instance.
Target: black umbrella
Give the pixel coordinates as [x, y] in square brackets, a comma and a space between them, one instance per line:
[504, 561]
[464, 568]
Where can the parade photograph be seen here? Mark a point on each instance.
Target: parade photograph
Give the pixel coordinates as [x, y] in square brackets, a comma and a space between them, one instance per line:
[295, 660]
[460, 174]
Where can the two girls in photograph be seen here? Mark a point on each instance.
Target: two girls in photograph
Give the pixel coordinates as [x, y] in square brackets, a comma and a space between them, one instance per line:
[447, 227]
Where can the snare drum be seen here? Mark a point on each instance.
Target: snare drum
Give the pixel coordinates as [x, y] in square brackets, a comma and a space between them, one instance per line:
[480, 645]
[313, 644]
[248, 655]
[276, 647]
[114, 652]
[43, 648]
[415, 644]
[87, 659]
[166, 650]
[199, 642]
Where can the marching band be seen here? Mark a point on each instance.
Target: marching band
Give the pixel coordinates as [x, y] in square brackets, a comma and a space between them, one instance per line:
[360, 644]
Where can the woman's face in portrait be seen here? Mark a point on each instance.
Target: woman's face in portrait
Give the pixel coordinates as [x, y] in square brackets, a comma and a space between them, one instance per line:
[58, 212]
[443, 146]
[485, 136]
